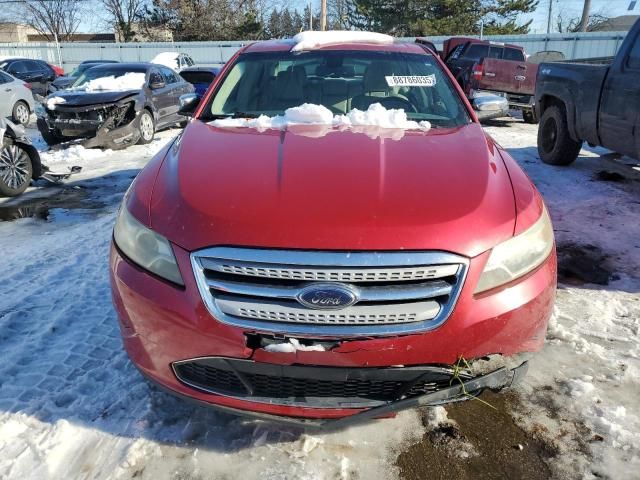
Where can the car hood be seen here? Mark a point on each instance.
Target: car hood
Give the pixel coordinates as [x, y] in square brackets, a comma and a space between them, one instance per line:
[320, 188]
[79, 98]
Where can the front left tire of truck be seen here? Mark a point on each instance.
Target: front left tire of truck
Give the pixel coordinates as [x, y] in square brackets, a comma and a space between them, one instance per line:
[555, 145]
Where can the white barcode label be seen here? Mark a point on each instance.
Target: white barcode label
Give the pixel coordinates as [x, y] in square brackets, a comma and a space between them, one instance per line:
[411, 80]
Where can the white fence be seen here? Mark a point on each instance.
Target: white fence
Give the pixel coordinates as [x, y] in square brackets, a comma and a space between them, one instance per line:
[573, 45]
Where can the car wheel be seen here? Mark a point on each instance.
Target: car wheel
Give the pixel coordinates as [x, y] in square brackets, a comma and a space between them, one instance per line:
[16, 170]
[529, 116]
[21, 113]
[555, 145]
[147, 127]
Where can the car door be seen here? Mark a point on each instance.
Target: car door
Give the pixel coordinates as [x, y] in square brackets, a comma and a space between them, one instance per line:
[162, 96]
[49, 75]
[36, 75]
[619, 113]
[7, 95]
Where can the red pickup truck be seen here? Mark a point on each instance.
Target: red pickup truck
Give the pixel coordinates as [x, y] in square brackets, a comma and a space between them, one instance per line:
[482, 67]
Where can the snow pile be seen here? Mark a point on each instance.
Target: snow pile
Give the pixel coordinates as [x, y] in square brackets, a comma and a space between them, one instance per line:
[122, 83]
[168, 59]
[313, 39]
[292, 346]
[310, 114]
[55, 100]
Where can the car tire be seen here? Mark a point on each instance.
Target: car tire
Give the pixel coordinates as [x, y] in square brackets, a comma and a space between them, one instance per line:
[555, 145]
[16, 169]
[529, 116]
[21, 113]
[146, 127]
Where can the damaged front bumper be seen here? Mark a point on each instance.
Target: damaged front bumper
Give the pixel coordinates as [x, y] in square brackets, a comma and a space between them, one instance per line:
[113, 125]
[458, 390]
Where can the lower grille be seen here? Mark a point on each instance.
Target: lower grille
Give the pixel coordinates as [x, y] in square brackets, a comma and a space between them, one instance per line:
[387, 293]
[320, 387]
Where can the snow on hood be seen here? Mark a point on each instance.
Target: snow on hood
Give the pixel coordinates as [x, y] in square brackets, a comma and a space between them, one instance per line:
[123, 83]
[313, 39]
[310, 114]
[53, 101]
[168, 59]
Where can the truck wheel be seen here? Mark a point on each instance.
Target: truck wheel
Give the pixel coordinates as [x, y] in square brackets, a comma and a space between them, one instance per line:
[529, 116]
[555, 145]
[21, 113]
[147, 127]
[16, 170]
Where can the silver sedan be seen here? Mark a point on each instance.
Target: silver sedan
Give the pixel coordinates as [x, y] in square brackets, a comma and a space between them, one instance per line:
[16, 100]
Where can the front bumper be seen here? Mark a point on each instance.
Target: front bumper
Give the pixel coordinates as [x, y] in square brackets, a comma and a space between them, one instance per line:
[162, 324]
[95, 124]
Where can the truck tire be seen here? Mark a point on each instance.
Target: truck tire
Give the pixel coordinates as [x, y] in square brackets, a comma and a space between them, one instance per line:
[529, 116]
[555, 145]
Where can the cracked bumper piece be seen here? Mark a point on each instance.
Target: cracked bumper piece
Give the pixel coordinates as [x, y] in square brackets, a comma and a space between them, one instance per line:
[173, 339]
[458, 390]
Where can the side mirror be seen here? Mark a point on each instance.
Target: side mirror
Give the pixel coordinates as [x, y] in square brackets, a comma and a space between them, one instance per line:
[157, 84]
[490, 106]
[188, 104]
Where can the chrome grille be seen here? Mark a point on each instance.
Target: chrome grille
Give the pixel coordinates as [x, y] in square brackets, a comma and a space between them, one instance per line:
[397, 292]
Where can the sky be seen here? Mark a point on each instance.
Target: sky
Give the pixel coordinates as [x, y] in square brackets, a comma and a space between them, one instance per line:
[569, 8]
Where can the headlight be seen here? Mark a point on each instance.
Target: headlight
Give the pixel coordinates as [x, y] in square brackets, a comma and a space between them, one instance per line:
[145, 247]
[518, 255]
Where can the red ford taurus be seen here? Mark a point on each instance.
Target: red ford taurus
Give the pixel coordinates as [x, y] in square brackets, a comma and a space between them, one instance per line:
[329, 273]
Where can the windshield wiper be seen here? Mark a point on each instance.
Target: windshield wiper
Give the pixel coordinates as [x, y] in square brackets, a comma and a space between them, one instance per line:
[217, 116]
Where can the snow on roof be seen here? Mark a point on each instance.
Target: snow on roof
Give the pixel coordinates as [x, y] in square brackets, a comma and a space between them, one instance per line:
[313, 39]
[168, 59]
[123, 83]
[310, 114]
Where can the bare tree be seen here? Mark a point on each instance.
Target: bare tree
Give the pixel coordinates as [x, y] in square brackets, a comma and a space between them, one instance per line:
[123, 15]
[584, 21]
[57, 20]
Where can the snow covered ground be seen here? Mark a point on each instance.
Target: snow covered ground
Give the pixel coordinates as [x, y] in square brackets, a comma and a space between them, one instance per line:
[72, 406]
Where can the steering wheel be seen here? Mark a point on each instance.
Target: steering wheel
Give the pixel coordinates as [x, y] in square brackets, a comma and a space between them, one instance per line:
[397, 102]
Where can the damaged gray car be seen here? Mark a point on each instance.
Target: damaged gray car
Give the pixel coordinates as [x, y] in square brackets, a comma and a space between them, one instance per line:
[114, 106]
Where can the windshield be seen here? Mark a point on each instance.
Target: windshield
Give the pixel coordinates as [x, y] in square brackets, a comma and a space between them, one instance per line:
[81, 68]
[269, 83]
[104, 72]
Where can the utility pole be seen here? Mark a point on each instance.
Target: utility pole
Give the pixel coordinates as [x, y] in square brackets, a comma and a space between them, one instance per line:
[310, 16]
[549, 17]
[585, 16]
[323, 15]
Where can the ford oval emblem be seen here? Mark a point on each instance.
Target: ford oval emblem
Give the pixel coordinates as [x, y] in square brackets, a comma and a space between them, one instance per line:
[327, 296]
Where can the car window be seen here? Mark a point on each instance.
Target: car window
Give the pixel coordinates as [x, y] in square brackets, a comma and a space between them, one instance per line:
[476, 51]
[4, 78]
[169, 75]
[633, 60]
[495, 52]
[513, 54]
[33, 66]
[456, 52]
[199, 76]
[267, 83]
[189, 60]
[18, 67]
[156, 77]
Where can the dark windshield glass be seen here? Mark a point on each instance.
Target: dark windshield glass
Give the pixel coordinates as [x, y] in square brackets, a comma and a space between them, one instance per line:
[269, 83]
